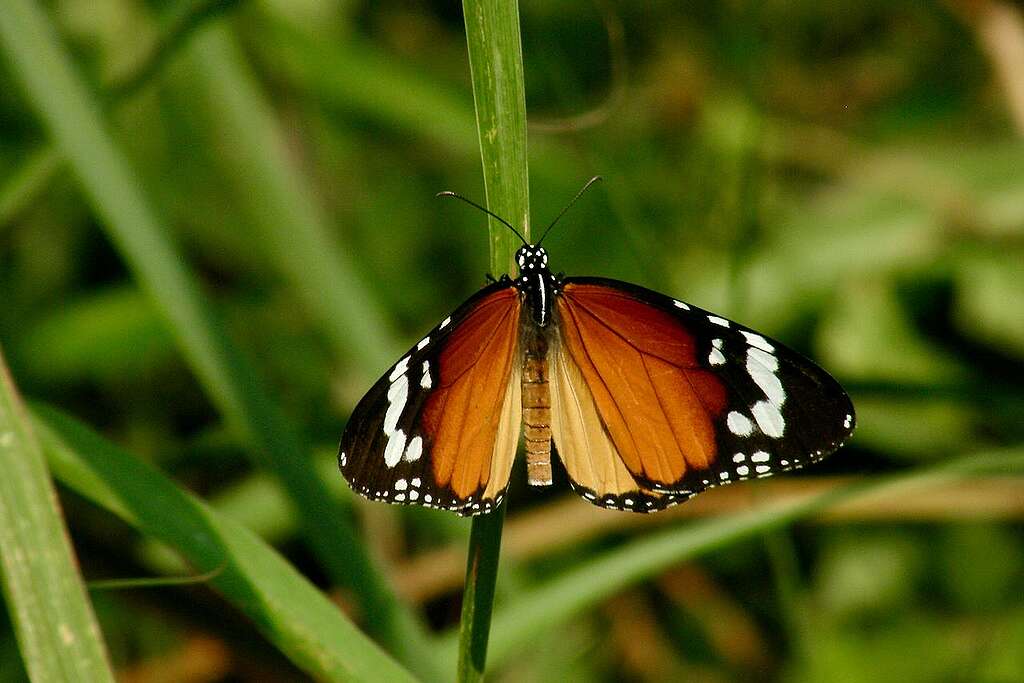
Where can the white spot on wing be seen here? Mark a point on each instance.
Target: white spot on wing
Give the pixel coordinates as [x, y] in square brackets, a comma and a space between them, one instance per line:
[757, 340]
[413, 453]
[397, 396]
[423, 342]
[760, 456]
[761, 367]
[444, 323]
[393, 451]
[718, 321]
[769, 419]
[401, 485]
[716, 357]
[739, 424]
[739, 457]
[425, 380]
[680, 304]
[743, 470]
[399, 369]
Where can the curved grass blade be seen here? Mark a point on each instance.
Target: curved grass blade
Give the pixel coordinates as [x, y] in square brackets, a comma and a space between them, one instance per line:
[73, 116]
[52, 617]
[290, 612]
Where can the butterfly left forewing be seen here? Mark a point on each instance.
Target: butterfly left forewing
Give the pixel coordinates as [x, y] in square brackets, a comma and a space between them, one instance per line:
[440, 428]
[691, 400]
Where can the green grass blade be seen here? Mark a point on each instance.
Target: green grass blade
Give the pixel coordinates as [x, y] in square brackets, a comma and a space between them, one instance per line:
[288, 224]
[52, 617]
[499, 93]
[496, 64]
[542, 609]
[291, 613]
[74, 119]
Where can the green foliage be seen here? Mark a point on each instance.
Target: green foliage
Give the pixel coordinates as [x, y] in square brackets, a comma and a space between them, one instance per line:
[217, 225]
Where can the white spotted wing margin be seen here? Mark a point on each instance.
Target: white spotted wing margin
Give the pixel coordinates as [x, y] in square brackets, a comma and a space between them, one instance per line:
[782, 410]
[387, 451]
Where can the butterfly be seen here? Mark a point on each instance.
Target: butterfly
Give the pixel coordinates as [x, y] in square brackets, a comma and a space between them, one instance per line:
[646, 400]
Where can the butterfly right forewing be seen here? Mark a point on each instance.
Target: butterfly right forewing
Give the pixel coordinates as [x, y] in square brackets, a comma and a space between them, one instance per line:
[440, 428]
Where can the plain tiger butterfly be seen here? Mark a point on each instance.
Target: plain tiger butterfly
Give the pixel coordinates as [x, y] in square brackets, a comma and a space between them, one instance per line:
[647, 400]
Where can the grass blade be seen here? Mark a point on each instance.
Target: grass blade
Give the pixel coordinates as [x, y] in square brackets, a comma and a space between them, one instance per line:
[496, 64]
[73, 116]
[53, 619]
[292, 613]
[288, 224]
[538, 611]
[499, 93]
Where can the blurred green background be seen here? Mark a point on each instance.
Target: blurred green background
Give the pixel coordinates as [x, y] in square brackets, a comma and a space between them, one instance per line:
[847, 177]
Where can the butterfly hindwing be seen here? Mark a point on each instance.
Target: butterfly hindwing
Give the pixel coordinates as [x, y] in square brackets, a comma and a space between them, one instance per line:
[440, 428]
[687, 399]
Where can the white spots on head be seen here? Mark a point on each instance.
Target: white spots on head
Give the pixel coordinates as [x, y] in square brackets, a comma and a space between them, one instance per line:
[396, 446]
[762, 469]
[444, 323]
[398, 394]
[847, 421]
[401, 485]
[759, 456]
[758, 341]
[769, 419]
[423, 343]
[425, 380]
[739, 457]
[718, 321]
[680, 304]
[399, 369]
[413, 453]
[743, 470]
[739, 424]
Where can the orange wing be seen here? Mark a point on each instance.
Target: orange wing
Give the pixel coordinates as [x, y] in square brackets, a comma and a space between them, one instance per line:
[440, 429]
[638, 366]
[465, 413]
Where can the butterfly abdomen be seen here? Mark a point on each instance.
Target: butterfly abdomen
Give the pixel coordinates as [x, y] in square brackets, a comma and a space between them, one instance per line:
[536, 406]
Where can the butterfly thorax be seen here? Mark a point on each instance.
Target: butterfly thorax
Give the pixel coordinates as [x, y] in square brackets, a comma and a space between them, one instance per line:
[538, 287]
[537, 284]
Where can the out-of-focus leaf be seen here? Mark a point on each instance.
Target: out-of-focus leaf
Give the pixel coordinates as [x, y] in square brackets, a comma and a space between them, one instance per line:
[108, 334]
[990, 292]
[43, 590]
[296, 617]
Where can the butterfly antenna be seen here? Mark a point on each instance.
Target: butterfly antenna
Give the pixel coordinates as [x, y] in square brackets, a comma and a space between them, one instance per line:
[449, 193]
[569, 206]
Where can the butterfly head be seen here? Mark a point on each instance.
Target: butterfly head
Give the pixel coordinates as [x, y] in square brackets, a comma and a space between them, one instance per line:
[531, 258]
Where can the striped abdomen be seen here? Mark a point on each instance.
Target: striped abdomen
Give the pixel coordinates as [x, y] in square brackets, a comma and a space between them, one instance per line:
[536, 407]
